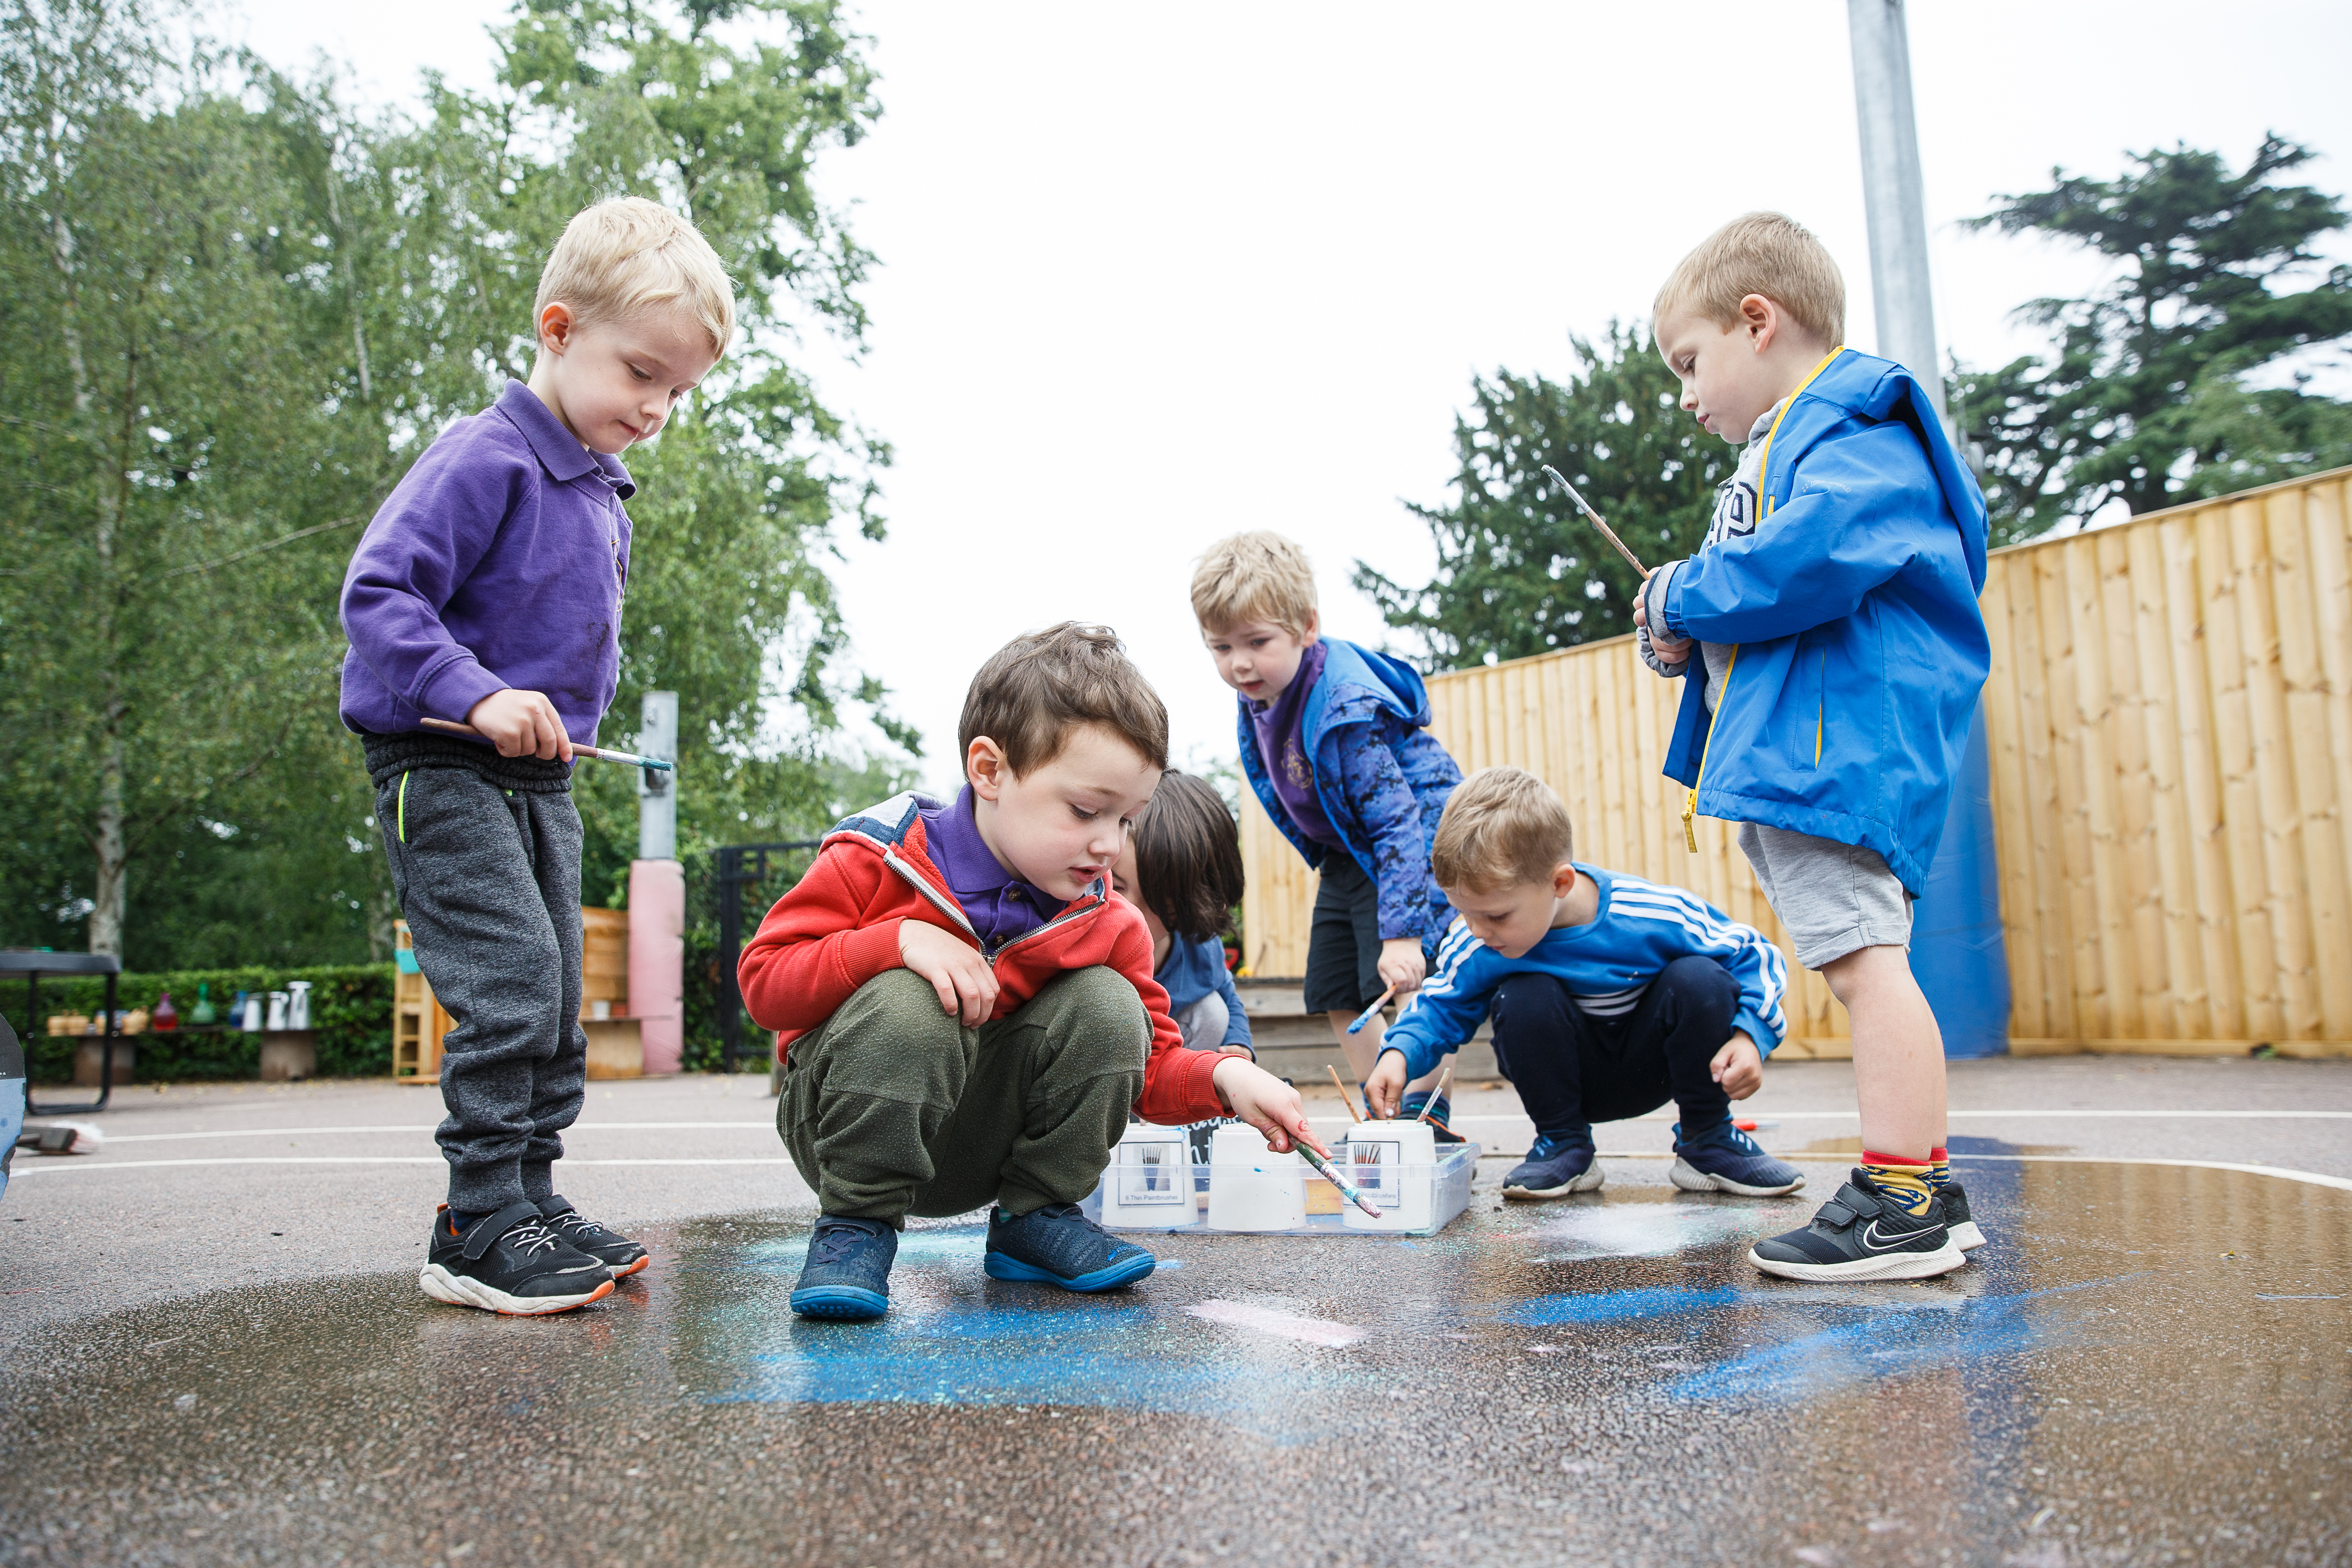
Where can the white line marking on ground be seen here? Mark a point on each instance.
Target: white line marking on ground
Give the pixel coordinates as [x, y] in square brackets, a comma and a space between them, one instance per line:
[1766, 1113]
[429, 1127]
[2312, 1177]
[1289, 1325]
[57, 1164]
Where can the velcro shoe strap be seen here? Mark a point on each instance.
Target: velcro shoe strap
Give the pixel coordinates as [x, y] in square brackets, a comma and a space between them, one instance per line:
[557, 1207]
[486, 1233]
[1849, 1205]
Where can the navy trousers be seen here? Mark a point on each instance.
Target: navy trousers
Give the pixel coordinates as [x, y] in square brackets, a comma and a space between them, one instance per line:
[1572, 1070]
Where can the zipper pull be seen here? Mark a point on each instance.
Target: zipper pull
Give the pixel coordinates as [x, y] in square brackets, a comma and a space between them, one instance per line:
[1690, 824]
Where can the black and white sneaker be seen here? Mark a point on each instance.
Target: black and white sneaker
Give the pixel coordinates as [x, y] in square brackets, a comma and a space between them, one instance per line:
[1863, 1234]
[512, 1263]
[610, 1248]
[1966, 1233]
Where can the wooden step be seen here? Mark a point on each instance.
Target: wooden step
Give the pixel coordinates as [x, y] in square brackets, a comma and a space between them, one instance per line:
[1295, 1044]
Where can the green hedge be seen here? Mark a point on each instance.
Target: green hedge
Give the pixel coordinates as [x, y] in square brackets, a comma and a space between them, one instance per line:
[350, 1012]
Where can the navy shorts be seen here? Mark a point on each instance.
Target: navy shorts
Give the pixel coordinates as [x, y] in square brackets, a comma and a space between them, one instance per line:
[1343, 943]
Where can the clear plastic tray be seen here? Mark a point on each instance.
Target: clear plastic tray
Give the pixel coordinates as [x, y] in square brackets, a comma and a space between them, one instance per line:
[1447, 1185]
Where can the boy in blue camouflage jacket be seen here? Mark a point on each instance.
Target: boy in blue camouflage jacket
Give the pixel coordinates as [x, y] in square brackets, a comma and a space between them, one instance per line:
[1334, 739]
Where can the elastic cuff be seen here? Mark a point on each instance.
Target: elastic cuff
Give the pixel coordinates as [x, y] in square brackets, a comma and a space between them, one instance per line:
[462, 681]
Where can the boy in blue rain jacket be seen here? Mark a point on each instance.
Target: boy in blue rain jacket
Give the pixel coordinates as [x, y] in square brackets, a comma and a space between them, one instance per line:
[1334, 740]
[1832, 650]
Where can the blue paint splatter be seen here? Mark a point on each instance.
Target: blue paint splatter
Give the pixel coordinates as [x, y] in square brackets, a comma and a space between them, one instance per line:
[1611, 1306]
[1889, 1344]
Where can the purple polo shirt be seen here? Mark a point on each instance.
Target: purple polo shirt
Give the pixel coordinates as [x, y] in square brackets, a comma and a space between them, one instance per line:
[999, 905]
[498, 561]
[1284, 754]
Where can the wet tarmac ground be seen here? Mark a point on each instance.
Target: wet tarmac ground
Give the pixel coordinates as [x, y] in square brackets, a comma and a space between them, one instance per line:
[2146, 1364]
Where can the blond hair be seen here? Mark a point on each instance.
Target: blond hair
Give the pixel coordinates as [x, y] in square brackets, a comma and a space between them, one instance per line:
[1502, 827]
[1761, 253]
[1256, 576]
[627, 254]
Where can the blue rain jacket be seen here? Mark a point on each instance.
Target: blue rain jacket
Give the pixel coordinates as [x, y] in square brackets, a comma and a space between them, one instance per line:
[1860, 648]
[1382, 779]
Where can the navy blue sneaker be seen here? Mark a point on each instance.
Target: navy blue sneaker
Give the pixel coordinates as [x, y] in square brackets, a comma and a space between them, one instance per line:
[1443, 1111]
[1967, 1235]
[1863, 1234]
[1728, 1161]
[1056, 1244]
[847, 1275]
[1556, 1167]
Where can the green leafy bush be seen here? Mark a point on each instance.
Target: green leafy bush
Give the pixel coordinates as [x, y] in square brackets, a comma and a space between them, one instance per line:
[350, 1015]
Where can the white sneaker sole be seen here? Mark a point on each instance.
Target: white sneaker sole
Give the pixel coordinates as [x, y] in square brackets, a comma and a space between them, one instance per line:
[1967, 1237]
[460, 1291]
[1885, 1266]
[1691, 1179]
[1588, 1182]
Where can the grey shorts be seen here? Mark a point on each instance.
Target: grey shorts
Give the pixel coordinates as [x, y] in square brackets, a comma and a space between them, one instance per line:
[1835, 899]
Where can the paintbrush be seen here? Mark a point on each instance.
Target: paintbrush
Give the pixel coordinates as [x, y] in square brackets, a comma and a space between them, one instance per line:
[1369, 1014]
[1330, 1172]
[1342, 1087]
[1594, 518]
[1437, 1094]
[602, 753]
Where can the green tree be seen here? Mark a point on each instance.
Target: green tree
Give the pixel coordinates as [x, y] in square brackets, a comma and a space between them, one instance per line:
[2149, 397]
[1519, 569]
[170, 433]
[237, 312]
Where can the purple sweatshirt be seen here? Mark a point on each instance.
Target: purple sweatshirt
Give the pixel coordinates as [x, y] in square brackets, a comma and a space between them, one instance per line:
[1286, 766]
[498, 560]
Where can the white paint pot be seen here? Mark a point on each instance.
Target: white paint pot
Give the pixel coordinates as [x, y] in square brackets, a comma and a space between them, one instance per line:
[297, 1003]
[1394, 1163]
[1251, 1187]
[1149, 1181]
[276, 1010]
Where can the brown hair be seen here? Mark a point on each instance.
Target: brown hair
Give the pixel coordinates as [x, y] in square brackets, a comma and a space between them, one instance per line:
[1188, 857]
[1258, 576]
[1760, 253]
[1502, 827]
[1039, 687]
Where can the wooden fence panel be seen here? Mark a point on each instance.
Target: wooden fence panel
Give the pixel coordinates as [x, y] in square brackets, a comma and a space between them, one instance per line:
[2171, 719]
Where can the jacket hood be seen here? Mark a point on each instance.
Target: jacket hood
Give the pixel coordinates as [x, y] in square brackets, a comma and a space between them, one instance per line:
[1876, 389]
[1374, 680]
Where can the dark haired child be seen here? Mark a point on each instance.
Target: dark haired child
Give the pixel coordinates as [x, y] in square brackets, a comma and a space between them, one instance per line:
[1183, 871]
[966, 1014]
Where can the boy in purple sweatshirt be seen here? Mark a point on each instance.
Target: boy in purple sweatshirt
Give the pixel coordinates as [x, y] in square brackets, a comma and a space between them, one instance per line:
[487, 590]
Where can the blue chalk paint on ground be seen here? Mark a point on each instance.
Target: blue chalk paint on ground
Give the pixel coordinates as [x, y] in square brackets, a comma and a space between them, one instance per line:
[1613, 1306]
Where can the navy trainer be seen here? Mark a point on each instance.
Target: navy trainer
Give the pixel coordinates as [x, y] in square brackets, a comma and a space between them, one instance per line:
[1056, 1244]
[847, 1275]
[1556, 1167]
[1863, 1234]
[1967, 1235]
[1728, 1161]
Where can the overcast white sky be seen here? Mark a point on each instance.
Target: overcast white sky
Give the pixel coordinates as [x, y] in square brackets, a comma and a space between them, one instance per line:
[1152, 274]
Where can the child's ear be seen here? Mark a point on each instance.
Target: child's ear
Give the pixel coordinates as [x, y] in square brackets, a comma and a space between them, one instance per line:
[1761, 319]
[985, 768]
[1313, 628]
[1563, 880]
[555, 325]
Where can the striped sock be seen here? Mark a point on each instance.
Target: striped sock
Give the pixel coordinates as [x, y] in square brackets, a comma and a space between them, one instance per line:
[1906, 1182]
[1940, 1168]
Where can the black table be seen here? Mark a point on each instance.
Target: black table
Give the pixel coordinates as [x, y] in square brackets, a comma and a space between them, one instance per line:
[32, 966]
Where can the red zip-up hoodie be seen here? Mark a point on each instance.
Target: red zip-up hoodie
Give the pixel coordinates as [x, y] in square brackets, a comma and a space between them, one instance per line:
[839, 928]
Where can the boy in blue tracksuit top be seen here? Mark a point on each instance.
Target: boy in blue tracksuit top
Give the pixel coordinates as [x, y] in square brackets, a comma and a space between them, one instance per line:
[1334, 739]
[1610, 996]
[1832, 649]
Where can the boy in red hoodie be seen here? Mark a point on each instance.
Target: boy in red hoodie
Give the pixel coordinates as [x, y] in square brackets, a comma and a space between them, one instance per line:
[966, 1011]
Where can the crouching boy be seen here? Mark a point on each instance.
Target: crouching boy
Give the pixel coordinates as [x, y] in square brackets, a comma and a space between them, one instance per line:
[965, 1013]
[1610, 994]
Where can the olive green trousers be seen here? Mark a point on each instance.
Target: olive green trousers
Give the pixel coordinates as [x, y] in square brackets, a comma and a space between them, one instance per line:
[894, 1108]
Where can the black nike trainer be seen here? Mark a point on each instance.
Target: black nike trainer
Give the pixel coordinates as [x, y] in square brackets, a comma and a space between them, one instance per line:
[1863, 1234]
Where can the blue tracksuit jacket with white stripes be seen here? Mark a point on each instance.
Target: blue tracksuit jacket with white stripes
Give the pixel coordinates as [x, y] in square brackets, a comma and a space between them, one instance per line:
[1641, 928]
